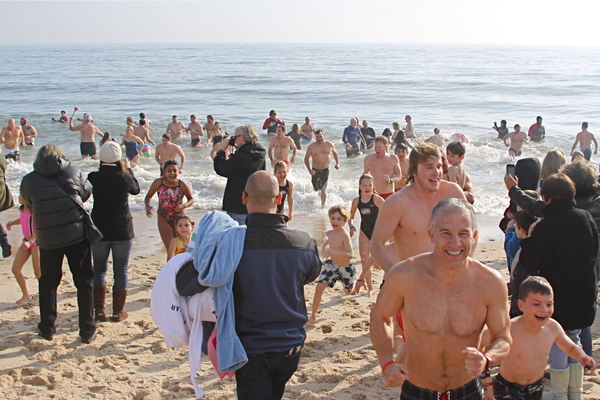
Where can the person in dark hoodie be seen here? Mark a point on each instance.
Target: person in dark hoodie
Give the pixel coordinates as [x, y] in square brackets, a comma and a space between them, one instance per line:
[112, 183]
[527, 170]
[248, 158]
[51, 190]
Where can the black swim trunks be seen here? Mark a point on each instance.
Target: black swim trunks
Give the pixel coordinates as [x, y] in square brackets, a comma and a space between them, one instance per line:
[13, 155]
[195, 142]
[88, 148]
[319, 179]
[470, 391]
[504, 389]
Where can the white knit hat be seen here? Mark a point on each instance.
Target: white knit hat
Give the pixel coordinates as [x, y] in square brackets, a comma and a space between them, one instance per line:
[110, 152]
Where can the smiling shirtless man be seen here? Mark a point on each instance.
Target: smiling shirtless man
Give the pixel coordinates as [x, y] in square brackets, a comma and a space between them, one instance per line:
[446, 298]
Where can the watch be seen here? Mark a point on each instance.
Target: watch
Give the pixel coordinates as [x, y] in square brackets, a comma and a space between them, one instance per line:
[489, 364]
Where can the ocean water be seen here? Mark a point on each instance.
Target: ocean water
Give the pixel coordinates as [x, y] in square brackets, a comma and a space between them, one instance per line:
[456, 88]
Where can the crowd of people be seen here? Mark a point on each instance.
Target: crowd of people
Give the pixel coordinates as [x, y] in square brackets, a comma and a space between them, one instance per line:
[442, 312]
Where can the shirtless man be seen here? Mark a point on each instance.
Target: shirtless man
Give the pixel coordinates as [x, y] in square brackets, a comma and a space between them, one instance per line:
[175, 128]
[446, 298]
[405, 215]
[320, 151]
[195, 129]
[410, 128]
[401, 152]
[585, 140]
[10, 137]
[147, 120]
[307, 131]
[210, 129]
[517, 138]
[166, 151]
[87, 130]
[29, 132]
[279, 149]
[384, 168]
[143, 133]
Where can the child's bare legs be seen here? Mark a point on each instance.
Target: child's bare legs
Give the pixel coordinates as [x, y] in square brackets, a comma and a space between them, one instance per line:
[316, 302]
[364, 248]
[20, 259]
[35, 260]
[165, 230]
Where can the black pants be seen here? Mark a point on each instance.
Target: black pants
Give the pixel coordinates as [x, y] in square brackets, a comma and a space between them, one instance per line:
[264, 375]
[80, 263]
[3, 237]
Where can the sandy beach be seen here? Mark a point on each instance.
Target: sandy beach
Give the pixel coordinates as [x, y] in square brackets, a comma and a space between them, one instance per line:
[129, 360]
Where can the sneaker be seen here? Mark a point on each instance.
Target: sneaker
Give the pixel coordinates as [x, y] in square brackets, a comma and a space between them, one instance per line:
[47, 336]
[6, 250]
[87, 339]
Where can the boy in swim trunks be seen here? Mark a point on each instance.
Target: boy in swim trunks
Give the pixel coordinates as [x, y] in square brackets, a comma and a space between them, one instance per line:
[338, 266]
[533, 334]
[585, 140]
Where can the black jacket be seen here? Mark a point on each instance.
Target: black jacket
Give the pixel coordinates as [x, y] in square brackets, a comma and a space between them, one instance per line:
[111, 202]
[237, 169]
[563, 248]
[58, 220]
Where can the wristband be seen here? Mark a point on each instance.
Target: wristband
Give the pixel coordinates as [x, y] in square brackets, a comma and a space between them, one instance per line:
[387, 364]
[486, 385]
[360, 280]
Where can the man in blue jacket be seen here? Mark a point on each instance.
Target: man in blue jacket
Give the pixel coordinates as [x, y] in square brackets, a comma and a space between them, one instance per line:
[268, 291]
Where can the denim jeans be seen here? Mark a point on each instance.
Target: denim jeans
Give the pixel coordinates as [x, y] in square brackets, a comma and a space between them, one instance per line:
[586, 340]
[80, 264]
[120, 256]
[239, 218]
[264, 376]
[558, 359]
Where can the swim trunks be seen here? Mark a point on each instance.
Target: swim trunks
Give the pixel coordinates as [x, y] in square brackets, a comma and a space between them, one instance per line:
[131, 149]
[30, 144]
[168, 199]
[332, 273]
[196, 142]
[505, 390]
[386, 195]
[87, 148]
[12, 154]
[368, 216]
[284, 192]
[305, 140]
[515, 152]
[587, 153]
[319, 179]
[353, 152]
[469, 391]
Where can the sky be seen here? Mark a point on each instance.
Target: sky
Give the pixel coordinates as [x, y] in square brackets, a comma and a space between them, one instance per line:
[491, 22]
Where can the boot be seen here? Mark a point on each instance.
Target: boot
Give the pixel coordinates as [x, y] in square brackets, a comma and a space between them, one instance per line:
[99, 300]
[575, 381]
[119, 297]
[560, 383]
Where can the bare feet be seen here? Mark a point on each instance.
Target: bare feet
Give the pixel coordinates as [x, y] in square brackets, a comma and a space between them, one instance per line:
[311, 320]
[369, 293]
[23, 299]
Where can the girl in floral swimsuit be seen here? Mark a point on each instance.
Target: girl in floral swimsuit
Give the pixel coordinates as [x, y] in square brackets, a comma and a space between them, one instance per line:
[171, 191]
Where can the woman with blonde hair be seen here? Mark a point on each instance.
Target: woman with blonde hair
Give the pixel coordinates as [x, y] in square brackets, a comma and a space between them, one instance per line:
[553, 162]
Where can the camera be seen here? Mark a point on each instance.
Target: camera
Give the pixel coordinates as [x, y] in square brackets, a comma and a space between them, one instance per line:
[232, 141]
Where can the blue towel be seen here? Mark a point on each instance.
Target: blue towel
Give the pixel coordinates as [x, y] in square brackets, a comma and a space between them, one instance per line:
[218, 247]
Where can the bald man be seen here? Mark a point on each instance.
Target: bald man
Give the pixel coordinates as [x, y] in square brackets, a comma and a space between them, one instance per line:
[268, 292]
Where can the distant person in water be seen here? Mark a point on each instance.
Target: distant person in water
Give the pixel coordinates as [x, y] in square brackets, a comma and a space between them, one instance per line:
[320, 153]
[175, 128]
[384, 168]
[10, 136]
[352, 138]
[87, 130]
[166, 151]
[29, 132]
[63, 118]
[211, 130]
[502, 129]
[436, 139]
[409, 131]
[148, 121]
[195, 130]
[585, 140]
[517, 138]
[279, 149]
[272, 123]
[307, 131]
[537, 131]
[369, 134]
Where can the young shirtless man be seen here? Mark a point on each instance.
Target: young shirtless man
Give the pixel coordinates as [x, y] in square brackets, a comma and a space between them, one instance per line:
[405, 215]
[320, 152]
[210, 129]
[338, 251]
[279, 149]
[533, 334]
[384, 168]
[143, 133]
[409, 131]
[585, 140]
[87, 130]
[10, 137]
[457, 172]
[517, 138]
[175, 128]
[166, 151]
[446, 298]
[308, 130]
[29, 132]
[401, 152]
[195, 130]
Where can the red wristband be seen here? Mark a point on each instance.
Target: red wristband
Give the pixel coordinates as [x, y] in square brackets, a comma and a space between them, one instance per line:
[387, 364]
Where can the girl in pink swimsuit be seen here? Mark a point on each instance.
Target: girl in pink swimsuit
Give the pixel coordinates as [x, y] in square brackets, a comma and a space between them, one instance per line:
[171, 191]
[27, 248]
